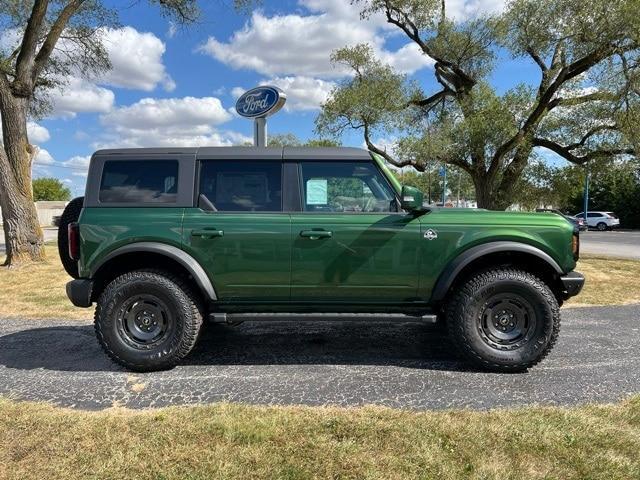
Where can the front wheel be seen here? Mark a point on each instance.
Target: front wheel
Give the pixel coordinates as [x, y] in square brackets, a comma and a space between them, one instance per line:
[504, 320]
[601, 226]
[147, 320]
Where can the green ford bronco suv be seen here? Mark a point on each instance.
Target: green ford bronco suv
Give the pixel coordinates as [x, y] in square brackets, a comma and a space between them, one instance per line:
[166, 239]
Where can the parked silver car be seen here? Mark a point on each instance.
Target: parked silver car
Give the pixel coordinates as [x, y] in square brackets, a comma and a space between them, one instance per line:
[601, 220]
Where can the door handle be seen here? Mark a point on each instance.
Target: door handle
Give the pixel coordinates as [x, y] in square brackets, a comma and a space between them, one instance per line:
[207, 233]
[315, 234]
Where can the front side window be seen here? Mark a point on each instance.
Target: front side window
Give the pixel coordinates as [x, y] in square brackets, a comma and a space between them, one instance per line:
[335, 186]
[139, 181]
[594, 215]
[244, 186]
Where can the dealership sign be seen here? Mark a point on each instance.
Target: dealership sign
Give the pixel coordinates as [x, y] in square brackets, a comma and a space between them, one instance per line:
[260, 102]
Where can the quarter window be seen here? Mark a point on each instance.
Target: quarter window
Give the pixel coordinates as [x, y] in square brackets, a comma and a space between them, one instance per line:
[335, 186]
[139, 181]
[254, 186]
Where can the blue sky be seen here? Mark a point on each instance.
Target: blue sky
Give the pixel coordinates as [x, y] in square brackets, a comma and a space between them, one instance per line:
[177, 86]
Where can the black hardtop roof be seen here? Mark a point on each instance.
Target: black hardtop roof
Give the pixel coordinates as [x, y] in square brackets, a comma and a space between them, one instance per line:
[253, 153]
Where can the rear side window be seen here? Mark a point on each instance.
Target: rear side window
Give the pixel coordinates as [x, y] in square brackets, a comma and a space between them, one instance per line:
[247, 186]
[139, 181]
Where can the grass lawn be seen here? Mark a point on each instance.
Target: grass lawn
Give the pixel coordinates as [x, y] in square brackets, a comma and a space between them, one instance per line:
[245, 442]
[610, 281]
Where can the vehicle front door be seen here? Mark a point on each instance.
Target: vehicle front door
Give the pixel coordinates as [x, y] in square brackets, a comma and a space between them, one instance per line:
[351, 243]
[240, 232]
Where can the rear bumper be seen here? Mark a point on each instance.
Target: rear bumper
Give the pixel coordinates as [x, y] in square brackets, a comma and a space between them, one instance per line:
[79, 292]
[572, 284]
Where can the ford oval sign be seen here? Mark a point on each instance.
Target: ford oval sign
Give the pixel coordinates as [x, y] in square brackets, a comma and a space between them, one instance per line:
[260, 102]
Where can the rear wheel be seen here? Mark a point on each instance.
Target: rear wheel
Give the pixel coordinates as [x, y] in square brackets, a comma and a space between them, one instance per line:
[601, 226]
[504, 320]
[70, 214]
[147, 320]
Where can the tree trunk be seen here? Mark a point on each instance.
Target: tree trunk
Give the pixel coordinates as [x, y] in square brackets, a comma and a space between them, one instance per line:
[23, 235]
[484, 191]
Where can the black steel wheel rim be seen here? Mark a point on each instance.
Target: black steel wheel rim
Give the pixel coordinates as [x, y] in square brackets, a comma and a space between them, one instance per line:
[507, 321]
[144, 321]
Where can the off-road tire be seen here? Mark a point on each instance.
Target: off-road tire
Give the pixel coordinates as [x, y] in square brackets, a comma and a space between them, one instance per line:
[466, 319]
[601, 226]
[184, 316]
[70, 214]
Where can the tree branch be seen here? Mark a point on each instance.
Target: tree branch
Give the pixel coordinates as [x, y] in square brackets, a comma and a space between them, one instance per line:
[24, 62]
[565, 152]
[410, 29]
[543, 105]
[537, 59]
[54, 34]
[431, 102]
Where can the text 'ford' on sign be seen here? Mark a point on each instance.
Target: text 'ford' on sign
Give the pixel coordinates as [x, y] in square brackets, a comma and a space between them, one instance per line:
[260, 102]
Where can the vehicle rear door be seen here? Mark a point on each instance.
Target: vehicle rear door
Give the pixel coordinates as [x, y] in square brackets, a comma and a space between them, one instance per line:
[240, 232]
[350, 242]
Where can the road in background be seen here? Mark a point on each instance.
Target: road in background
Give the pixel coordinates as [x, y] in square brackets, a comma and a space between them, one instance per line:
[401, 365]
[616, 243]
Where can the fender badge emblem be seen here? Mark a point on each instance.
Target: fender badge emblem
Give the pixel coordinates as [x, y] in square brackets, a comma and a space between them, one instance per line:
[430, 234]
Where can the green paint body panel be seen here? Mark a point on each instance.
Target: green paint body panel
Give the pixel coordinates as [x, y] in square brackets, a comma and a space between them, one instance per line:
[251, 262]
[104, 229]
[372, 258]
[367, 262]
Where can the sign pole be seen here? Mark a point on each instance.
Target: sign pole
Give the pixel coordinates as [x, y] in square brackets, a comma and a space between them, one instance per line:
[444, 185]
[585, 198]
[260, 132]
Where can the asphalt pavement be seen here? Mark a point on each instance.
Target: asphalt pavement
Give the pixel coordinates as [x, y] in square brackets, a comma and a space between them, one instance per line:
[402, 365]
[616, 243]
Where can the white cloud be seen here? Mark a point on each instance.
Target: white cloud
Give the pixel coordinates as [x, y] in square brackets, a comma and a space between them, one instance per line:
[303, 93]
[265, 44]
[301, 44]
[464, 9]
[179, 122]
[236, 92]
[78, 161]
[136, 59]
[80, 96]
[37, 133]
[43, 157]
[172, 30]
[180, 112]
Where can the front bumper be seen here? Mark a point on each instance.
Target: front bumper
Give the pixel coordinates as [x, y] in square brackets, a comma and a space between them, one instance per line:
[572, 284]
[79, 292]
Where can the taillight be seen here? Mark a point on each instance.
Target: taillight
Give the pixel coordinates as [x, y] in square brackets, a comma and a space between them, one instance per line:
[73, 231]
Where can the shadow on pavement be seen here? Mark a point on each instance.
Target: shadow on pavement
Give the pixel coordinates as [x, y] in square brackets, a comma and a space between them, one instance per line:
[411, 345]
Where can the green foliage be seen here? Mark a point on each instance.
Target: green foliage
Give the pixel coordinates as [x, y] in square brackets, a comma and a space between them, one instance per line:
[49, 188]
[584, 107]
[613, 189]
[290, 140]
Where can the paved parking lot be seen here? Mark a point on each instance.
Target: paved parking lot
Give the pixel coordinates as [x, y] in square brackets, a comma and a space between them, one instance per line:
[398, 365]
[617, 243]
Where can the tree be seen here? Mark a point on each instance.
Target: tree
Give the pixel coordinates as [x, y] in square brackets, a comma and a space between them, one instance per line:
[49, 188]
[53, 39]
[584, 106]
[290, 140]
[615, 188]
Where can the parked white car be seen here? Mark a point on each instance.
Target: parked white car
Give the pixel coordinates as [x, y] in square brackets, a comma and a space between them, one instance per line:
[601, 220]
